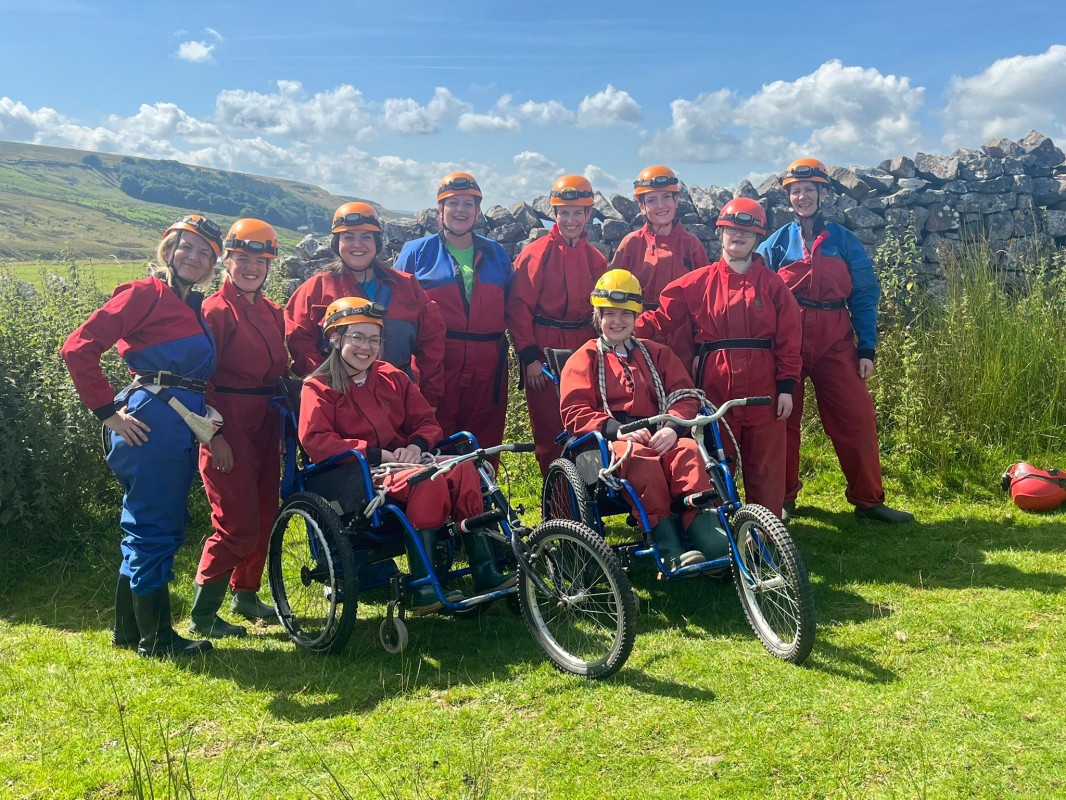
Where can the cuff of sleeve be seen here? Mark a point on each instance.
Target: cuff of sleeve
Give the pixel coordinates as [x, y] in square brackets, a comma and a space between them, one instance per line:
[527, 355]
[373, 456]
[786, 386]
[420, 443]
[104, 412]
[866, 352]
[610, 429]
[678, 429]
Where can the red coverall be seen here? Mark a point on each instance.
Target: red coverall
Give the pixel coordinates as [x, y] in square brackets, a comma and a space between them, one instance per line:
[251, 357]
[657, 479]
[414, 329]
[835, 270]
[714, 304]
[387, 412]
[549, 307]
[658, 260]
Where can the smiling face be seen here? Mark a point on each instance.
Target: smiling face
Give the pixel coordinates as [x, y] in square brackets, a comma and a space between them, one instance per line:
[659, 208]
[804, 197]
[246, 271]
[357, 249]
[571, 221]
[359, 344]
[616, 324]
[193, 258]
[460, 214]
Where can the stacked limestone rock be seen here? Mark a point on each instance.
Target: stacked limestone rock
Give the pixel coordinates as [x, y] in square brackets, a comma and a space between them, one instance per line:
[1010, 194]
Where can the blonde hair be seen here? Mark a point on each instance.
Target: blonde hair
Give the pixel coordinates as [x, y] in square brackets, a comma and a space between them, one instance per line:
[161, 267]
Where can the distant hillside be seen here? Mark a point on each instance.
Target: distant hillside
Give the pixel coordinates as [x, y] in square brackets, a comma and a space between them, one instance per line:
[95, 205]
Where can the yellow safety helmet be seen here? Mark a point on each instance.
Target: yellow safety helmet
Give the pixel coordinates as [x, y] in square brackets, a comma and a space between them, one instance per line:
[618, 288]
[346, 311]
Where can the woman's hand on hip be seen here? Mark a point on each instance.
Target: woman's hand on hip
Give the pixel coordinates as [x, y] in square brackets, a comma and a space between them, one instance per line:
[132, 430]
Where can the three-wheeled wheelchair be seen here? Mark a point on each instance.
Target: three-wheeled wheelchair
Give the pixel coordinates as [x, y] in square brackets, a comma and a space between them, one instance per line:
[336, 535]
[768, 572]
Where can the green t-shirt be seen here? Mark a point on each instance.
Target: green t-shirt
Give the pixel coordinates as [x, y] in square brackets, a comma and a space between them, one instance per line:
[465, 259]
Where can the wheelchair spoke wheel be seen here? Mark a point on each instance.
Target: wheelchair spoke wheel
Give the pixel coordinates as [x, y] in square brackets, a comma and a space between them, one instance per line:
[585, 621]
[565, 494]
[775, 591]
[312, 574]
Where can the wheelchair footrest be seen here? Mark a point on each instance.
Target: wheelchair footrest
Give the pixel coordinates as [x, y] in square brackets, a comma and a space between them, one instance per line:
[481, 520]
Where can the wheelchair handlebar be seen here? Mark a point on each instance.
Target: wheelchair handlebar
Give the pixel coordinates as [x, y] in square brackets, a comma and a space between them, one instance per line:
[481, 453]
[699, 420]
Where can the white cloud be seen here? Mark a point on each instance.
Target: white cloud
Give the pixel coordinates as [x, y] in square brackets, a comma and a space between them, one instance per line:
[340, 113]
[551, 112]
[196, 52]
[213, 34]
[487, 123]
[1010, 98]
[608, 108]
[406, 116]
[843, 114]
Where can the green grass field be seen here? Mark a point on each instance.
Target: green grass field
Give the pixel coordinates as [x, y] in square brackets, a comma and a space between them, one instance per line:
[937, 673]
[106, 275]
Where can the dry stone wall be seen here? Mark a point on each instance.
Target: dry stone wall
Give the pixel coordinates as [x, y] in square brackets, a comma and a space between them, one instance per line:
[1011, 194]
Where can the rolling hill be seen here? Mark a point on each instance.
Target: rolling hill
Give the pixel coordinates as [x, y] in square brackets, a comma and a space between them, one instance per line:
[55, 201]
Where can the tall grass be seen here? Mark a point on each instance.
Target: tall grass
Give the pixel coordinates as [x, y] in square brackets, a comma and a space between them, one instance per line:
[970, 368]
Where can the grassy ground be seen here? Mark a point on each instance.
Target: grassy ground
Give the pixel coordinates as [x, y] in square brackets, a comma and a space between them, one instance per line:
[937, 673]
[106, 275]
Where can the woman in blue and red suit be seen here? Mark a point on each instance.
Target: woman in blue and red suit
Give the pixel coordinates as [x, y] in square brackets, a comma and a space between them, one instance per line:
[161, 335]
[414, 329]
[662, 250]
[354, 401]
[744, 327]
[549, 304]
[241, 466]
[829, 272]
[468, 276]
[618, 378]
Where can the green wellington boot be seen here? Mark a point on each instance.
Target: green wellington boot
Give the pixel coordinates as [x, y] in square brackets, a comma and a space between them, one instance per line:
[883, 513]
[708, 536]
[206, 601]
[249, 606]
[158, 637]
[666, 536]
[482, 559]
[126, 633]
[423, 600]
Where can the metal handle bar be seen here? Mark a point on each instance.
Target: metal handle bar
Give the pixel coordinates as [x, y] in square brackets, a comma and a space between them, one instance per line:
[480, 453]
[697, 421]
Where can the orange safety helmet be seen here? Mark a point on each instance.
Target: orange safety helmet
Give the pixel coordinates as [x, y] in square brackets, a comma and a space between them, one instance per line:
[743, 213]
[202, 226]
[356, 217]
[352, 310]
[458, 183]
[572, 190]
[805, 169]
[656, 178]
[253, 236]
[1034, 489]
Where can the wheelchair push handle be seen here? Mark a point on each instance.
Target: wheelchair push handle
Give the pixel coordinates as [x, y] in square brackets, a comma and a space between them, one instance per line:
[699, 420]
[480, 454]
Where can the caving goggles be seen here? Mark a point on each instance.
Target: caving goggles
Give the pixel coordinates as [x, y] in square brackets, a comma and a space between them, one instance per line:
[351, 220]
[458, 185]
[617, 296]
[805, 172]
[570, 194]
[744, 219]
[658, 182]
[376, 311]
[252, 246]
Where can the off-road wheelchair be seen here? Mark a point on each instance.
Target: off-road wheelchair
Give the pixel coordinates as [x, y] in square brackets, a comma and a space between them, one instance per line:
[767, 569]
[336, 534]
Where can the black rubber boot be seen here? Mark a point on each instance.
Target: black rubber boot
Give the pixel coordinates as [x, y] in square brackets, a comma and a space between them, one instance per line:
[158, 637]
[423, 600]
[883, 513]
[666, 536]
[479, 552]
[126, 633]
[206, 601]
[249, 606]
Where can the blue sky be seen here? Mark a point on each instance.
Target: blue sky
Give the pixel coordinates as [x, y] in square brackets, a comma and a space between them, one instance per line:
[379, 100]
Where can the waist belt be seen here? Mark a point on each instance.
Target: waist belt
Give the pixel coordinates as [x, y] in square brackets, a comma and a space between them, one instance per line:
[821, 305]
[736, 344]
[255, 390]
[164, 378]
[562, 324]
[468, 336]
